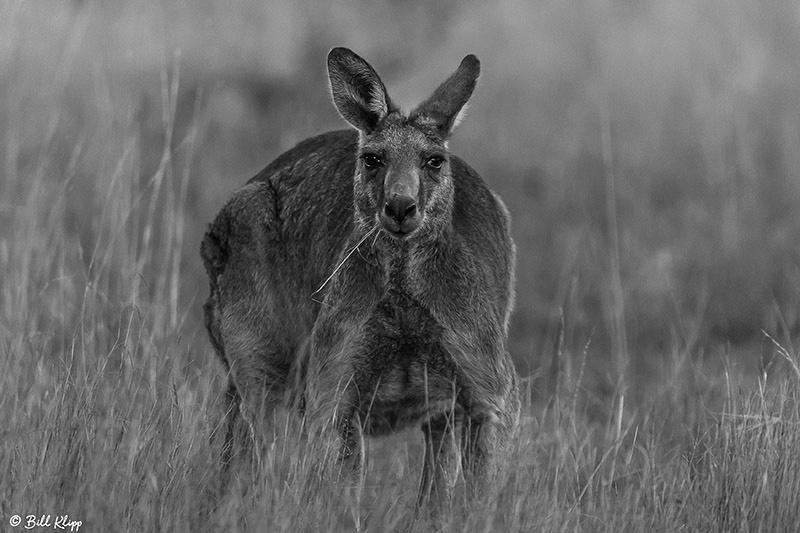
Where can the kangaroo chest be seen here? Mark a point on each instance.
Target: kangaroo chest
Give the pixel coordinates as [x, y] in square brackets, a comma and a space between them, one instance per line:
[403, 373]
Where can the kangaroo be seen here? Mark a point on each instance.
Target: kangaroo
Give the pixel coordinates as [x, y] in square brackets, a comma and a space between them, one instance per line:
[366, 277]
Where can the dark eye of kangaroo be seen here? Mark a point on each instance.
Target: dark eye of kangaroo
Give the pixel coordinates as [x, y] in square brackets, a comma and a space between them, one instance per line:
[435, 162]
[371, 161]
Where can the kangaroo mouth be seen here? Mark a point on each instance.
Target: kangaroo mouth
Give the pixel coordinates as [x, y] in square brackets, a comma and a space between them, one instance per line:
[400, 230]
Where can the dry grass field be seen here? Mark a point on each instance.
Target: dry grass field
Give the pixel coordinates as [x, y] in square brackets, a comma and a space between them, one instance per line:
[649, 153]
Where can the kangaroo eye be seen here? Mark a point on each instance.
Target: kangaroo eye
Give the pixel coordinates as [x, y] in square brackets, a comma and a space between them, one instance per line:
[371, 161]
[435, 162]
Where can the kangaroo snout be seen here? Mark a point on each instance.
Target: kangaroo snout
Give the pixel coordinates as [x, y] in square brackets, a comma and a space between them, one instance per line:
[400, 214]
[400, 209]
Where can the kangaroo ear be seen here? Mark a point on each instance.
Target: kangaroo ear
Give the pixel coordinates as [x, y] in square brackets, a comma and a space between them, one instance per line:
[358, 92]
[446, 106]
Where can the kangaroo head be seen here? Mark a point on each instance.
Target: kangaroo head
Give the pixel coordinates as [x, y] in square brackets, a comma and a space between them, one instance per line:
[403, 180]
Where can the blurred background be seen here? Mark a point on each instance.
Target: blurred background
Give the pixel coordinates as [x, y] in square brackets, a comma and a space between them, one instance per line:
[649, 153]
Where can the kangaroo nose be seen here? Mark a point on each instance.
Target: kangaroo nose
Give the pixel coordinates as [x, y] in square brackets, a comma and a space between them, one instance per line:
[400, 207]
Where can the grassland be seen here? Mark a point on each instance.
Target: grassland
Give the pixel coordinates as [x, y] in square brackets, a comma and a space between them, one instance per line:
[648, 154]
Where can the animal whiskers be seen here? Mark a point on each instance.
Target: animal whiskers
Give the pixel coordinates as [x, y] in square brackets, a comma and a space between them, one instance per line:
[375, 230]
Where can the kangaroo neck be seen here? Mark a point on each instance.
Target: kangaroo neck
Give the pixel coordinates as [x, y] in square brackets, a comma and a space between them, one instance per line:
[404, 262]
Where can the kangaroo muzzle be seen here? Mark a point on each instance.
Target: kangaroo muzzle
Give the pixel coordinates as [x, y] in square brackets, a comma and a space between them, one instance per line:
[401, 214]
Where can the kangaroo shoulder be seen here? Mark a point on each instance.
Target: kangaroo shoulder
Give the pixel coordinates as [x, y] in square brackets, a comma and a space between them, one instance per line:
[477, 210]
[253, 218]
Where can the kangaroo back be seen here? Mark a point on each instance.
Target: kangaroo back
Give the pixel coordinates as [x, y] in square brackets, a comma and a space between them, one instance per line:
[367, 276]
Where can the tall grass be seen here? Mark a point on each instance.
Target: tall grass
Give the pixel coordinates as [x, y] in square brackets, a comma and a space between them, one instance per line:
[122, 130]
